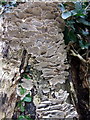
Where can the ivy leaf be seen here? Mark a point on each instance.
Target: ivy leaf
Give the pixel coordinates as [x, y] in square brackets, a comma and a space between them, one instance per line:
[22, 108]
[80, 14]
[73, 12]
[28, 117]
[27, 98]
[22, 90]
[83, 21]
[3, 2]
[85, 32]
[83, 44]
[25, 76]
[78, 6]
[79, 9]
[21, 117]
[71, 24]
[66, 14]
[69, 35]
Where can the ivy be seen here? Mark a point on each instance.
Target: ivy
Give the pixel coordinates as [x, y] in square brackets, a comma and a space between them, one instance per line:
[27, 98]
[22, 117]
[22, 90]
[20, 106]
[69, 35]
[76, 16]
[26, 77]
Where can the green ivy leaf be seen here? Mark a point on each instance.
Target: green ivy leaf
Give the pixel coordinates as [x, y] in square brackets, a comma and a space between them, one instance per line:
[27, 98]
[68, 14]
[69, 35]
[73, 12]
[26, 76]
[78, 6]
[22, 108]
[21, 117]
[71, 23]
[83, 21]
[83, 44]
[80, 14]
[22, 90]
[28, 117]
[19, 104]
[3, 2]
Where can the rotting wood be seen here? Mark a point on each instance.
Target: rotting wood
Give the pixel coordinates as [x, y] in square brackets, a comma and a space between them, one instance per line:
[37, 29]
[79, 73]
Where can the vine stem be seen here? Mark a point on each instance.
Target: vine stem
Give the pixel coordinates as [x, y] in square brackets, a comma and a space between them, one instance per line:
[78, 55]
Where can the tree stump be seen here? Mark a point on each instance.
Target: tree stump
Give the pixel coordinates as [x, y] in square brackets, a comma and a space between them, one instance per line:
[32, 34]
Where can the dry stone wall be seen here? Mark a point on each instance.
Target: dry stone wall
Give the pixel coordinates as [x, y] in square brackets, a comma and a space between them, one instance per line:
[33, 35]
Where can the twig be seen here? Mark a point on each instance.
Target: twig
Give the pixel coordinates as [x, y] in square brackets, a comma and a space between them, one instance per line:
[78, 55]
[87, 6]
[2, 10]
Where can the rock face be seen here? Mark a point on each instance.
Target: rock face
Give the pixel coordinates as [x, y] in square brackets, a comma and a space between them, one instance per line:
[34, 30]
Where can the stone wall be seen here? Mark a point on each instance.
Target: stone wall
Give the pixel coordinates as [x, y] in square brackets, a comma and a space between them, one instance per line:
[33, 35]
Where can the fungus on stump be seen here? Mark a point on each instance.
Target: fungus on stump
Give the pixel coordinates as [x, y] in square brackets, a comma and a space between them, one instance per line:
[36, 28]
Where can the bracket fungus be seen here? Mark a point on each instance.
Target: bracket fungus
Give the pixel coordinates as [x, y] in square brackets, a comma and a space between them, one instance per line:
[36, 28]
